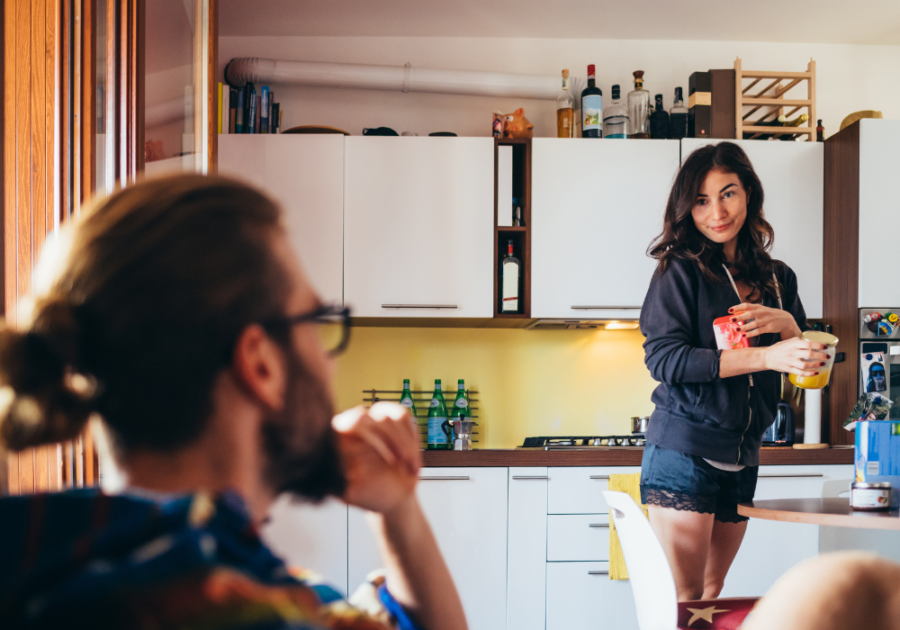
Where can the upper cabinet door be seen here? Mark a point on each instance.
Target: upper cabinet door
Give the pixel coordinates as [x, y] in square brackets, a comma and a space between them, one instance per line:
[596, 206]
[418, 226]
[879, 212]
[305, 175]
[792, 178]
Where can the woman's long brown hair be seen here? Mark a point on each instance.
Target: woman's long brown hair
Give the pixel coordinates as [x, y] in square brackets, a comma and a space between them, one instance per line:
[680, 237]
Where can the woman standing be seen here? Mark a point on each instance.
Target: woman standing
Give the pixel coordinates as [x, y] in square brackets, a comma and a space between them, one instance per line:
[712, 406]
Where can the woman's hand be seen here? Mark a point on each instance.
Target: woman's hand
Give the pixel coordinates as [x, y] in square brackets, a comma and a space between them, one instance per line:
[756, 319]
[795, 356]
[380, 451]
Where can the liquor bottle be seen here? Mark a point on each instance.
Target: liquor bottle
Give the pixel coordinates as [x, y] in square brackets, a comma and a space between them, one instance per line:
[510, 272]
[796, 122]
[438, 438]
[678, 118]
[639, 108]
[565, 110]
[615, 117]
[406, 399]
[591, 108]
[820, 131]
[659, 120]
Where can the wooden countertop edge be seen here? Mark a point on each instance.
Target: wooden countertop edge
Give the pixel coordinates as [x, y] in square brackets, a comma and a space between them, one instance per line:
[775, 456]
[860, 520]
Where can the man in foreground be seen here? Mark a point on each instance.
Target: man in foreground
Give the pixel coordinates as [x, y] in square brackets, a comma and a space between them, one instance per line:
[178, 318]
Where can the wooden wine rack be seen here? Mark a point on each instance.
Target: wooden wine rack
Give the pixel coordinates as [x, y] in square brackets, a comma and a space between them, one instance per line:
[771, 99]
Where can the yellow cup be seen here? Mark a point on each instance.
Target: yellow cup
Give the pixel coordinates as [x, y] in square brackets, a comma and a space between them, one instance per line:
[821, 379]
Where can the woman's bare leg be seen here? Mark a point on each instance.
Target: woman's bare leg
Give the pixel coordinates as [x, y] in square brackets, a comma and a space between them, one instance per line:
[685, 537]
[726, 540]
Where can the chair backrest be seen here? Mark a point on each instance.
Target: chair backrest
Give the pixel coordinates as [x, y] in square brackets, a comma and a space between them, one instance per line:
[651, 577]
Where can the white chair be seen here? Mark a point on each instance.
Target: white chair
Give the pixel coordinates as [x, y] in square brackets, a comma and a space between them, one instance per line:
[651, 577]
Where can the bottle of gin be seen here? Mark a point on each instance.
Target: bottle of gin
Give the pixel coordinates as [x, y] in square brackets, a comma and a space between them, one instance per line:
[659, 120]
[438, 426]
[565, 110]
[615, 117]
[678, 118]
[591, 108]
[510, 272]
[639, 108]
[406, 399]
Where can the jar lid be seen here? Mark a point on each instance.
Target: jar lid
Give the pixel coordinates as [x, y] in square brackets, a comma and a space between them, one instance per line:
[881, 485]
[818, 336]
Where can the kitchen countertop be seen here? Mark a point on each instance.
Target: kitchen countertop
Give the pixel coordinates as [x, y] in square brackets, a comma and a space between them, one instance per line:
[618, 456]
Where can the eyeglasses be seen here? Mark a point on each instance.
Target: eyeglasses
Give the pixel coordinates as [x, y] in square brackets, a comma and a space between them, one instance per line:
[332, 324]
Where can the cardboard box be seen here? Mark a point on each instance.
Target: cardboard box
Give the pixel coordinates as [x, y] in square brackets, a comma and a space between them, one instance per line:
[878, 454]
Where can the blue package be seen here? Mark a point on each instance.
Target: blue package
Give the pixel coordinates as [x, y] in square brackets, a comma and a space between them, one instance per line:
[878, 454]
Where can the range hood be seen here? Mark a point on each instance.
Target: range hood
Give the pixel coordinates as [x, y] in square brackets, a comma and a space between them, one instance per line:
[603, 319]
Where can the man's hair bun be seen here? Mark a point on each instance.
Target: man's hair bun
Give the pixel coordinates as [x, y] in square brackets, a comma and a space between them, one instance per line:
[47, 399]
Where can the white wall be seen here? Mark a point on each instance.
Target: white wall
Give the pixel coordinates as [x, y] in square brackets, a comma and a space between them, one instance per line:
[850, 77]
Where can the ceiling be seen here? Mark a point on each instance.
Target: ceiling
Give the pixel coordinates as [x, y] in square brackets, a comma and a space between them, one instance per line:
[801, 21]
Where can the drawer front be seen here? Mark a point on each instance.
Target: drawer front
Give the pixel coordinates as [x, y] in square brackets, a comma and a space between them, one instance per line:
[580, 596]
[578, 537]
[579, 490]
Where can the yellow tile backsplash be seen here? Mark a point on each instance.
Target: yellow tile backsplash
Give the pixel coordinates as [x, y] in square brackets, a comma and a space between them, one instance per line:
[584, 382]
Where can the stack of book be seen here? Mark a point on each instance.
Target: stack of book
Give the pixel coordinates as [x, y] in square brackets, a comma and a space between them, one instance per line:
[248, 110]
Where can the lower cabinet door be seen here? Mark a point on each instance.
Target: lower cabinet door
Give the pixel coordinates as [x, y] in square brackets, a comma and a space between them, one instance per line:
[580, 596]
[467, 510]
[311, 537]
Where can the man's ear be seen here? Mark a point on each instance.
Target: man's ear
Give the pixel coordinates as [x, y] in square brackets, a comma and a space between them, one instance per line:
[259, 366]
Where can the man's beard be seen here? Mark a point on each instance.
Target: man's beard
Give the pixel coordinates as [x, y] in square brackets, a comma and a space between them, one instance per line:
[300, 444]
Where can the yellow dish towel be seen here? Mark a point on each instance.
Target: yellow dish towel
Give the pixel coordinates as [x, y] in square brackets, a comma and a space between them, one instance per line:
[630, 484]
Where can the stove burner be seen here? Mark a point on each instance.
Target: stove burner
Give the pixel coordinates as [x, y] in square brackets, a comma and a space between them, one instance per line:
[589, 442]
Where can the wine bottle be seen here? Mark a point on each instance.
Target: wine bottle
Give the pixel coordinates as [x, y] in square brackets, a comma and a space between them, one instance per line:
[615, 117]
[438, 433]
[796, 122]
[678, 117]
[565, 110]
[591, 108]
[659, 120]
[777, 122]
[510, 272]
[639, 108]
[406, 399]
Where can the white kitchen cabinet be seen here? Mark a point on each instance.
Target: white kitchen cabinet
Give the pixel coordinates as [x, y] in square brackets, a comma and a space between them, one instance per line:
[527, 549]
[467, 510]
[596, 206]
[305, 175]
[879, 212]
[577, 537]
[579, 490]
[792, 178]
[580, 596]
[311, 537]
[418, 226]
[770, 548]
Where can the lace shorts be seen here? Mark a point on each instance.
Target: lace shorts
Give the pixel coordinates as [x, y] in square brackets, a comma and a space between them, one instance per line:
[686, 482]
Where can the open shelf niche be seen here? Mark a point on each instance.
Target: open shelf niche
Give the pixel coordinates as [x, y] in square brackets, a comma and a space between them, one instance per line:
[520, 235]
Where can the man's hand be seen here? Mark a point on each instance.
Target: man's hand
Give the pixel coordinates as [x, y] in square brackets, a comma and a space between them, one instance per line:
[756, 319]
[381, 457]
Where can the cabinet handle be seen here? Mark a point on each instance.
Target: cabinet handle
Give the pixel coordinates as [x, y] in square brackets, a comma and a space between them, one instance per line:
[599, 476]
[419, 306]
[599, 525]
[598, 572]
[527, 477]
[466, 478]
[790, 475]
[604, 308]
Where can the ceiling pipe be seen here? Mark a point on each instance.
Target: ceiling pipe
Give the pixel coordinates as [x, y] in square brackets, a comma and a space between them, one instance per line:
[243, 70]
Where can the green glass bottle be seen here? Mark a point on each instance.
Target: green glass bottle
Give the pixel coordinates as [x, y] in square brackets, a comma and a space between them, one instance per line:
[437, 420]
[461, 404]
[406, 400]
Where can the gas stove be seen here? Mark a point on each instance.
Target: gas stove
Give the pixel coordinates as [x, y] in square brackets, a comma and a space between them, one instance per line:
[571, 443]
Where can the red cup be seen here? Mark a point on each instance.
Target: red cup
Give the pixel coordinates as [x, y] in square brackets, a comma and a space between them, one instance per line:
[728, 337]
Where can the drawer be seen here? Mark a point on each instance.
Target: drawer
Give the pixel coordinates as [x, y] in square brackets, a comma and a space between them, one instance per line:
[580, 596]
[577, 537]
[579, 490]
